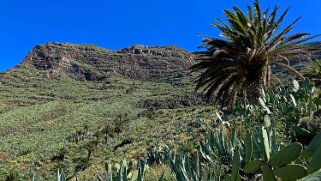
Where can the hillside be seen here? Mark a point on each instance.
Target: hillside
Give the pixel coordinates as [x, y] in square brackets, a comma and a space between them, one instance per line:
[66, 99]
[143, 94]
[89, 62]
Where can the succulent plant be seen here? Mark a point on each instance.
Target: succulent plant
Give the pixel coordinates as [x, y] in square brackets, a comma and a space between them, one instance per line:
[293, 106]
[125, 171]
[282, 163]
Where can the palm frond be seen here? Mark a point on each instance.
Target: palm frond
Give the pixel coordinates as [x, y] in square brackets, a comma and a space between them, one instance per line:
[240, 63]
[291, 70]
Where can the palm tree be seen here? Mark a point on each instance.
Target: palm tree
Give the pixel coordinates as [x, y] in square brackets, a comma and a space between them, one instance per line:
[240, 64]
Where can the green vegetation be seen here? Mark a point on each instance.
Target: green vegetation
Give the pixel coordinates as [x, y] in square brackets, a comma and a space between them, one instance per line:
[54, 123]
[240, 65]
[88, 118]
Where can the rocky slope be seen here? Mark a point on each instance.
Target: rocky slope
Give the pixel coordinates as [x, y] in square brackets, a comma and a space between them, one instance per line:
[89, 62]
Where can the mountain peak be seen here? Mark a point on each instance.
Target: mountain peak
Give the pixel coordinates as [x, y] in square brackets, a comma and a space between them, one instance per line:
[90, 62]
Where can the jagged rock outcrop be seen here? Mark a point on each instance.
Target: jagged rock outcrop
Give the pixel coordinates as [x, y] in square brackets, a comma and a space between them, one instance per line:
[89, 62]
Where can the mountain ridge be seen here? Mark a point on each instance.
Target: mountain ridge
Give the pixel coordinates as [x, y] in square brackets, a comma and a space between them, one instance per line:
[90, 62]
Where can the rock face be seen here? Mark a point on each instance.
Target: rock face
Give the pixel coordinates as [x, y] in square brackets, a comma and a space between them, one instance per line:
[89, 62]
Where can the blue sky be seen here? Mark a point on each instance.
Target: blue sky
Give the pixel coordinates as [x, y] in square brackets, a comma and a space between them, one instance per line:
[115, 24]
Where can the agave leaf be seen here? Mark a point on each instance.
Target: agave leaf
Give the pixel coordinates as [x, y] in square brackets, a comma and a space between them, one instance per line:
[175, 171]
[218, 143]
[120, 173]
[266, 144]
[204, 155]
[234, 139]
[197, 165]
[236, 162]
[58, 175]
[124, 162]
[124, 173]
[141, 170]
[248, 147]
[258, 149]
[218, 116]
[222, 142]
[61, 175]
[293, 100]
[183, 171]
[264, 105]
[188, 165]
[33, 177]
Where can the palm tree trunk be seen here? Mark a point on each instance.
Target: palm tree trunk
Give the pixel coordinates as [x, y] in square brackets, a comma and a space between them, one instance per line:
[257, 80]
[267, 75]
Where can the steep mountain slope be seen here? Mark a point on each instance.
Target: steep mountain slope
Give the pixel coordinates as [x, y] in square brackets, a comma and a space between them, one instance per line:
[143, 94]
[89, 62]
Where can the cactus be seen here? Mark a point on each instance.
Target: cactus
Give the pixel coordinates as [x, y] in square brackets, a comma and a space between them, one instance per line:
[290, 172]
[315, 163]
[268, 174]
[279, 165]
[253, 166]
[312, 148]
[286, 155]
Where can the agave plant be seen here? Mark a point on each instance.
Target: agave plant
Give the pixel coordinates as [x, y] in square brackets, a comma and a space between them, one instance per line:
[241, 64]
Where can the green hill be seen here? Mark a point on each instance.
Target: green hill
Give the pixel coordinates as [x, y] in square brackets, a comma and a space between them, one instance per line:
[142, 94]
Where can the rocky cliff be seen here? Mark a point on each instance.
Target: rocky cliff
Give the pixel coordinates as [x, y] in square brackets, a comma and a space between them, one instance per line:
[90, 62]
